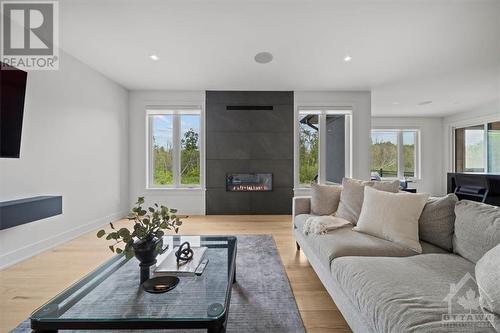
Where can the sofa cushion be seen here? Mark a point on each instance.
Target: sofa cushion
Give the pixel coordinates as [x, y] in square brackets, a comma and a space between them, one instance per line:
[325, 199]
[392, 216]
[437, 221]
[477, 229]
[351, 198]
[487, 277]
[403, 294]
[347, 242]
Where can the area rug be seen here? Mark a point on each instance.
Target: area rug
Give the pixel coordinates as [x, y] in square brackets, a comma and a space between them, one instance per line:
[261, 300]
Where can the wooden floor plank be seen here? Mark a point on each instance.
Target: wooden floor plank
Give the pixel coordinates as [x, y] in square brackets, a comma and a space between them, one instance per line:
[29, 284]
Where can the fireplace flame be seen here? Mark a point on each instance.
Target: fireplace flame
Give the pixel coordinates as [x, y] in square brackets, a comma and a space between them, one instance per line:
[248, 187]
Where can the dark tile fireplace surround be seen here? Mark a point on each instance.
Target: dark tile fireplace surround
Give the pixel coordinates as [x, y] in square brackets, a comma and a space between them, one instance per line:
[249, 137]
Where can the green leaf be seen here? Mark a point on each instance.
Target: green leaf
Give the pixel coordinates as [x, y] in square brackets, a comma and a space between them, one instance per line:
[109, 236]
[140, 200]
[160, 234]
[111, 225]
[173, 211]
[179, 222]
[129, 254]
[112, 248]
[151, 209]
[118, 250]
[123, 232]
[101, 233]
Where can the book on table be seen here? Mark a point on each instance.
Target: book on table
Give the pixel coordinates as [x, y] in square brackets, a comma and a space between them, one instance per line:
[170, 266]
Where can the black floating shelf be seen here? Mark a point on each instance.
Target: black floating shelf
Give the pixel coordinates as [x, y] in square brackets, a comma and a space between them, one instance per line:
[22, 211]
[249, 107]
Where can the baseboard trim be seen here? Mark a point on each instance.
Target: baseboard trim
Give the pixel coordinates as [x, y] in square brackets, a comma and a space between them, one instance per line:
[30, 250]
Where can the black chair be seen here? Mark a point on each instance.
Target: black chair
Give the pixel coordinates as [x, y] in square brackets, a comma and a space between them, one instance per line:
[471, 187]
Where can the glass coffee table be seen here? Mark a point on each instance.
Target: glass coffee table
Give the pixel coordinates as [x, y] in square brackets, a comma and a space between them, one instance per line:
[111, 298]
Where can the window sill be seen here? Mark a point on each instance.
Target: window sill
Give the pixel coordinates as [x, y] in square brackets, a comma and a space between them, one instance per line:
[301, 188]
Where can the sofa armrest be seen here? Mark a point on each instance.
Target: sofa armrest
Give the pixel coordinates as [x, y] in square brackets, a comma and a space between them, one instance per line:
[301, 205]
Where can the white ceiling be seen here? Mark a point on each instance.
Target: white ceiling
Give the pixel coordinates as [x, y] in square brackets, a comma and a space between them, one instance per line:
[405, 51]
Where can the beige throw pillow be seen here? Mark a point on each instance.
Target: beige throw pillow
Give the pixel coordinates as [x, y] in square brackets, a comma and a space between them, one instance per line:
[351, 198]
[325, 199]
[392, 216]
[437, 221]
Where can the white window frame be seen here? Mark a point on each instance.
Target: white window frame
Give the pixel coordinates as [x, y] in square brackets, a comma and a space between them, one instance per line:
[417, 160]
[482, 121]
[176, 111]
[322, 112]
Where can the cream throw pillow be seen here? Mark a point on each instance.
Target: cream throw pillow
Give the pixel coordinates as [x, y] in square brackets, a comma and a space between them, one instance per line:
[325, 199]
[351, 198]
[392, 216]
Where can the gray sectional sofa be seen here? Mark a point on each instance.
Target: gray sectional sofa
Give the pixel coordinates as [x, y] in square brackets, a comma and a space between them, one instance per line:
[381, 287]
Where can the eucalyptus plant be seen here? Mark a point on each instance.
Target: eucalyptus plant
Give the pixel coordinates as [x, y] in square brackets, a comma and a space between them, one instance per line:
[148, 225]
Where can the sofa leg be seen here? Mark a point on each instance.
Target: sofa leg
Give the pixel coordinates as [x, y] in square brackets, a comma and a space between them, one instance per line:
[298, 246]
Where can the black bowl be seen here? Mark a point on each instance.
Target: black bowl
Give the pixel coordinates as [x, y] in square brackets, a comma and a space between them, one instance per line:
[160, 284]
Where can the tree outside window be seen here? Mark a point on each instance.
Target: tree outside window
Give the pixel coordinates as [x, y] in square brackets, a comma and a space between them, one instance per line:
[394, 153]
[175, 148]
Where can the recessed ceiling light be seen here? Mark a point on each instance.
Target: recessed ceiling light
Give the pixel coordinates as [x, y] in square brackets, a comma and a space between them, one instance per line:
[425, 103]
[263, 57]
[154, 57]
[347, 58]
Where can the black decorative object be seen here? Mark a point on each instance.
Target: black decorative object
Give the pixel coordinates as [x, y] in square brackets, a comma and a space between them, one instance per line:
[160, 284]
[146, 251]
[184, 253]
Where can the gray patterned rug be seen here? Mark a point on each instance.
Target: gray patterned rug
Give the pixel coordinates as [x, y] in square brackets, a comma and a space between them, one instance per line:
[261, 301]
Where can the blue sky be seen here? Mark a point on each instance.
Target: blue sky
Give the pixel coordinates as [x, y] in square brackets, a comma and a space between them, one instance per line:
[163, 127]
[474, 136]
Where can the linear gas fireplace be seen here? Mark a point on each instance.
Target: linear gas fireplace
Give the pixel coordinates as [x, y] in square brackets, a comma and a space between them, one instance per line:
[249, 182]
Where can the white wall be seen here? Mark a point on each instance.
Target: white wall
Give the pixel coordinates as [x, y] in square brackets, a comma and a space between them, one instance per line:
[74, 144]
[431, 149]
[360, 102]
[187, 201]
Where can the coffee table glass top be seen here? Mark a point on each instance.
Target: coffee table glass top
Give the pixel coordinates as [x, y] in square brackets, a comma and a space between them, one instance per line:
[112, 292]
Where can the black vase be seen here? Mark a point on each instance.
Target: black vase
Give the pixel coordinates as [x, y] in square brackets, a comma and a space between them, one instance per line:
[146, 251]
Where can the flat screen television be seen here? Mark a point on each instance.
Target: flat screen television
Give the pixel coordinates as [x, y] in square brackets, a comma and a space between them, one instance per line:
[12, 92]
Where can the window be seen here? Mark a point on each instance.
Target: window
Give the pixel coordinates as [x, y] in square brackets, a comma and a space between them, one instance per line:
[477, 148]
[323, 146]
[494, 147]
[174, 148]
[394, 153]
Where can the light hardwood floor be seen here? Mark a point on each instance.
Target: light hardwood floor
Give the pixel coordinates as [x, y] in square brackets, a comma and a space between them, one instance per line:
[29, 284]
